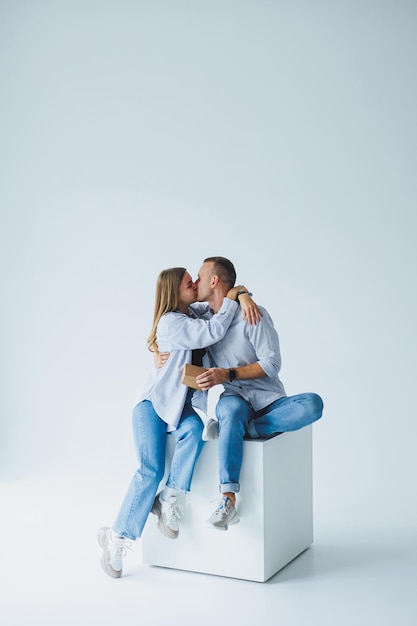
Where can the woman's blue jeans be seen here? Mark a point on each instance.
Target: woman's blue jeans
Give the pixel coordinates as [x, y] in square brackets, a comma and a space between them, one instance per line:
[237, 419]
[150, 439]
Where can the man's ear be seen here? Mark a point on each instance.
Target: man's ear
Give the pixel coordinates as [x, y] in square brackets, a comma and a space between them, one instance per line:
[214, 281]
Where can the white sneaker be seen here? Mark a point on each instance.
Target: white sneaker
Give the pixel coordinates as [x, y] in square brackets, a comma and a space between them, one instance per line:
[211, 430]
[224, 515]
[168, 515]
[114, 548]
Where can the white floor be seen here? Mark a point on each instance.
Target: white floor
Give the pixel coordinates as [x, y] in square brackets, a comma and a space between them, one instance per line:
[361, 569]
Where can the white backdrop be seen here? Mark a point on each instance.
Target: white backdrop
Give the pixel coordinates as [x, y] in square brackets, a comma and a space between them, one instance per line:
[141, 135]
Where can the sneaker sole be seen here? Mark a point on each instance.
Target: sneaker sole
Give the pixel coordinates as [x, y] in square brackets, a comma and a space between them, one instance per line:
[231, 522]
[102, 541]
[165, 530]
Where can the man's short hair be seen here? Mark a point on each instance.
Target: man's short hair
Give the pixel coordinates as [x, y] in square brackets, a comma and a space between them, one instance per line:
[224, 269]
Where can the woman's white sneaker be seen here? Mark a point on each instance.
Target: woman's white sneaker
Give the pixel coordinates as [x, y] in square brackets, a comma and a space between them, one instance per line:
[168, 514]
[114, 548]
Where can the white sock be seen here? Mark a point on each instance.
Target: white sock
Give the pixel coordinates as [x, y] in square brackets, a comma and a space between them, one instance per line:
[116, 535]
[167, 493]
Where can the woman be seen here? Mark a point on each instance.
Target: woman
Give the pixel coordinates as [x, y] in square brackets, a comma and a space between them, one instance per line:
[167, 406]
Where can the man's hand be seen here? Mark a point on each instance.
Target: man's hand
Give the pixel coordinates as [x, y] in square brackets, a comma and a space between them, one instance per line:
[213, 376]
[219, 375]
[160, 358]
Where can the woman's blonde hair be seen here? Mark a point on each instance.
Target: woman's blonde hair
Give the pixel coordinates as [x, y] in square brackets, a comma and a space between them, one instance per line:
[166, 299]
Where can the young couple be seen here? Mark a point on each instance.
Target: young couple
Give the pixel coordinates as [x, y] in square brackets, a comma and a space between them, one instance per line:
[242, 353]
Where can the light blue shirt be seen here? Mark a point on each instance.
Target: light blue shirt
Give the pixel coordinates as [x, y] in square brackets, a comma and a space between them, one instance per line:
[244, 344]
[179, 334]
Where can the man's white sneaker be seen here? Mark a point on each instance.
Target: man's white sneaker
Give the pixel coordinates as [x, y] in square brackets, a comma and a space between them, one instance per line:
[211, 430]
[224, 515]
[168, 514]
[114, 548]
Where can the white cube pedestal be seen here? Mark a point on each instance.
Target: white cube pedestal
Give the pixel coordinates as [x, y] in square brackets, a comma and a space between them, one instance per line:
[274, 506]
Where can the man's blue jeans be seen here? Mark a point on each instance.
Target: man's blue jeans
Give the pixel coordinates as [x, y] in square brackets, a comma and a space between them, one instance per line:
[237, 418]
[150, 439]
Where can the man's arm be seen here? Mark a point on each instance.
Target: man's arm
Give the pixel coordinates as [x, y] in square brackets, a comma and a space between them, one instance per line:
[219, 375]
[263, 343]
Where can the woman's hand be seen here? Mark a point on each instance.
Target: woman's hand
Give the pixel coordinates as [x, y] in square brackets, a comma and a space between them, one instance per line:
[250, 310]
[160, 358]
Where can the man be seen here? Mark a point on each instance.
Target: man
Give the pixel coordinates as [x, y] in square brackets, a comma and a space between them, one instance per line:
[254, 403]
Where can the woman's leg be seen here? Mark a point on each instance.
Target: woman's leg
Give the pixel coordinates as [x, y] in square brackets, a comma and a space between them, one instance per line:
[150, 439]
[188, 445]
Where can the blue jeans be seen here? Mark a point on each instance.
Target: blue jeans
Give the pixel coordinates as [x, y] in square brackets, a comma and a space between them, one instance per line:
[150, 439]
[237, 418]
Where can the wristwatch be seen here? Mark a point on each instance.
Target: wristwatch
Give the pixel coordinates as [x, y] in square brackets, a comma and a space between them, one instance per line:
[232, 375]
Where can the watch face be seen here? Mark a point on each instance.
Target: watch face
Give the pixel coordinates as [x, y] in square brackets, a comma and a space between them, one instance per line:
[232, 375]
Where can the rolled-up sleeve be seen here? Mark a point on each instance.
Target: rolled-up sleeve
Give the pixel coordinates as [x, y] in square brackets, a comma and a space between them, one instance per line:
[265, 341]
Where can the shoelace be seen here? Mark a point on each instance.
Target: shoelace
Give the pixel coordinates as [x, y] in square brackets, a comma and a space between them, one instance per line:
[123, 547]
[222, 507]
[175, 511]
[127, 545]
